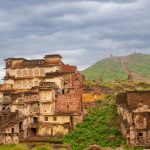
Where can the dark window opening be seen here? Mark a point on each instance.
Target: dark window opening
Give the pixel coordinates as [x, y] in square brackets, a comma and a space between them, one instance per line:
[140, 138]
[63, 91]
[35, 120]
[54, 118]
[140, 134]
[46, 118]
[20, 126]
[12, 130]
[67, 106]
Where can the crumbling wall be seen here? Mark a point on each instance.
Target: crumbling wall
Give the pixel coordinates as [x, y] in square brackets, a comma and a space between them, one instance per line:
[73, 80]
[125, 114]
[134, 114]
[69, 102]
[68, 68]
[137, 99]
[140, 121]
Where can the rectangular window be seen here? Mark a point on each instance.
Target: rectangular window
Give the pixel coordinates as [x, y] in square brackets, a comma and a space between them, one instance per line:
[35, 120]
[46, 118]
[54, 118]
[12, 130]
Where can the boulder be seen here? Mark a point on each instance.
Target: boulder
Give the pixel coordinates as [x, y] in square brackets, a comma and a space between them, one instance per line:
[93, 147]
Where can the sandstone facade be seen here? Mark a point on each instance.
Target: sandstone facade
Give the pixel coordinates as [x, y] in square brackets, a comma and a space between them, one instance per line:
[40, 97]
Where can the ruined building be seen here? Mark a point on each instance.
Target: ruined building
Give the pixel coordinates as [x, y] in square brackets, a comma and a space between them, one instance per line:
[40, 97]
[134, 117]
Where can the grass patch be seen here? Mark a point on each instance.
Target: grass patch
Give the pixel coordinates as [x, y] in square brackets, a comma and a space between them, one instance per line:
[13, 147]
[43, 147]
[23, 146]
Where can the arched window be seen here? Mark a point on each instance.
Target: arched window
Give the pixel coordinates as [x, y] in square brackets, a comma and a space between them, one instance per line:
[30, 83]
[36, 72]
[19, 84]
[42, 72]
[18, 73]
[24, 84]
[36, 83]
[24, 73]
[30, 73]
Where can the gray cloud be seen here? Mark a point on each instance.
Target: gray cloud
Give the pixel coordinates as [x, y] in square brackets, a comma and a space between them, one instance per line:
[83, 31]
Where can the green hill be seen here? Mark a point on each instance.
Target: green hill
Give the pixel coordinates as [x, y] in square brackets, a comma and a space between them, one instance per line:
[140, 64]
[119, 68]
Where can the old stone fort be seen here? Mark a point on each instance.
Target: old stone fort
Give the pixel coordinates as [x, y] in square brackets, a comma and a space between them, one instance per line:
[39, 98]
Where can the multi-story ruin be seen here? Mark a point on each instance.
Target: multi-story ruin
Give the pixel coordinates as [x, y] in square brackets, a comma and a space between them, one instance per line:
[40, 97]
[134, 117]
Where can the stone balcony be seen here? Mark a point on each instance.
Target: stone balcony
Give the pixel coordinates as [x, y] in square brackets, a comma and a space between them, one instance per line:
[6, 87]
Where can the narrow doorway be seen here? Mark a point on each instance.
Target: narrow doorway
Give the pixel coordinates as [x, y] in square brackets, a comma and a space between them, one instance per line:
[33, 131]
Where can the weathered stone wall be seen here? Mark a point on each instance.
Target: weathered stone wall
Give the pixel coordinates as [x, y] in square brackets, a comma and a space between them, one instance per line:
[136, 99]
[73, 80]
[47, 108]
[54, 125]
[54, 119]
[46, 95]
[69, 102]
[68, 68]
[134, 114]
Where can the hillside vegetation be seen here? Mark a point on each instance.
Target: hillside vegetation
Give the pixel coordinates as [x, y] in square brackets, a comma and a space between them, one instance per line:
[23, 146]
[111, 68]
[107, 69]
[100, 122]
[140, 64]
[99, 127]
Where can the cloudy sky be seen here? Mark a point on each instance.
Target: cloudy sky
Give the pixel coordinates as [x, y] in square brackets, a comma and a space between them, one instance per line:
[82, 31]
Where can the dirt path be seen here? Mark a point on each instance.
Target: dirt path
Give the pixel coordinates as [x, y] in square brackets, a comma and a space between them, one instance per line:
[133, 75]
